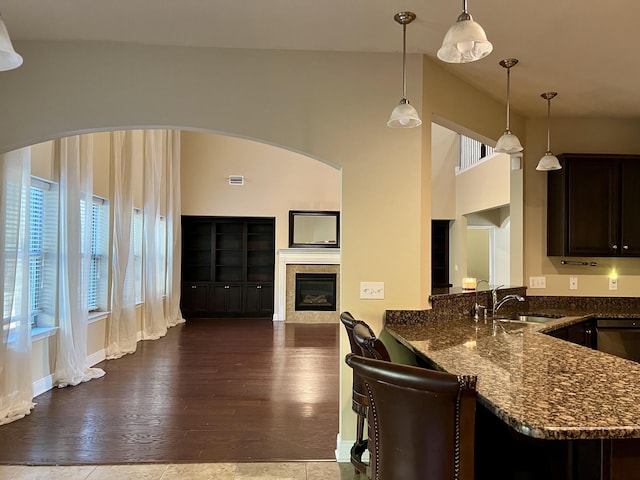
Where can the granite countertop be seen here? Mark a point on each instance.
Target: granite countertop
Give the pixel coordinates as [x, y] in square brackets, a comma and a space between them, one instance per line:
[541, 386]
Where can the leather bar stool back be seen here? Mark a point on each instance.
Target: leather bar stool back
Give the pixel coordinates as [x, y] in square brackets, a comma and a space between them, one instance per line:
[370, 345]
[421, 422]
[359, 400]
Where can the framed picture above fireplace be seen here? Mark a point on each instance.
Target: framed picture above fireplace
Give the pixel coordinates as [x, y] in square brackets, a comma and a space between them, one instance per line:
[314, 229]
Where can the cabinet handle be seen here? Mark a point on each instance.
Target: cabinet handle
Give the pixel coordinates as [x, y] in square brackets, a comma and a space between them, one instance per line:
[259, 286]
[193, 286]
[226, 286]
[615, 247]
[625, 247]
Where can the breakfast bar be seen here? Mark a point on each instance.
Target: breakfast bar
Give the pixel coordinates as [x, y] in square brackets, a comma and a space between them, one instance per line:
[540, 398]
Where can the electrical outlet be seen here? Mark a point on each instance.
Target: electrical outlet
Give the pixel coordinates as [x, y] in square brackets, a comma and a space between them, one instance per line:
[573, 283]
[537, 282]
[372, 290]
[613, 284]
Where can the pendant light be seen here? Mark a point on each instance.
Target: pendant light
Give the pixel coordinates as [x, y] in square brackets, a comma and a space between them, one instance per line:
[404, 115]
[9, 59]
[465, 41]
[549, 161]
[508, 142]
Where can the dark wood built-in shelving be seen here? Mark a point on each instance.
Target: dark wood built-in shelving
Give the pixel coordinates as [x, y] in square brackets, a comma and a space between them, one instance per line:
[228, 266]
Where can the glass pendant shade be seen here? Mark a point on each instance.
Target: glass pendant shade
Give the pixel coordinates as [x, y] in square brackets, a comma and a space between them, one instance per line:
[508, 143]
[404, 116]
[549, 161]
[465, 41]
[9, 59]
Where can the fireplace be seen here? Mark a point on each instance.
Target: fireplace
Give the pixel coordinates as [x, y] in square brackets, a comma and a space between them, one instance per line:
[315, 291]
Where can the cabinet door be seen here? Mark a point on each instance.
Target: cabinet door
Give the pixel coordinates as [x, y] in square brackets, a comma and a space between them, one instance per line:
[592, 206]
[258, 299]
[195, 298]
[226, 298]
[630, 225]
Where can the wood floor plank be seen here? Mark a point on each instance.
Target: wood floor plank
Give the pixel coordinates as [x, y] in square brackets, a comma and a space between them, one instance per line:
[228, 390]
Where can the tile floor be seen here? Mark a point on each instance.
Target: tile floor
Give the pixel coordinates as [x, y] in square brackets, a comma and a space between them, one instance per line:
[201, 471]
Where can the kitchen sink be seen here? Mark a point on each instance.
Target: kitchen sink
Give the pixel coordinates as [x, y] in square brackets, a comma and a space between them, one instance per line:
[535, 319]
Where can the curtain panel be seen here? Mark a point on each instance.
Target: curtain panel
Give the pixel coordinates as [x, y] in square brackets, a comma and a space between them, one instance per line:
[16, 387]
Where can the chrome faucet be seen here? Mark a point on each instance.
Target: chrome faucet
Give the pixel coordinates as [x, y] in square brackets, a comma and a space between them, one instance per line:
[495, 304]
[477, 307]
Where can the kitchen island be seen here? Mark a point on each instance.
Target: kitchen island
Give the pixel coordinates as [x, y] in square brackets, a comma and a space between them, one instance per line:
[547, 408]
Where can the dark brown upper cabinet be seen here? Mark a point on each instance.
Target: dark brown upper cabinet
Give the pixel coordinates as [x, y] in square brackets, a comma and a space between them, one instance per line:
[593, 206]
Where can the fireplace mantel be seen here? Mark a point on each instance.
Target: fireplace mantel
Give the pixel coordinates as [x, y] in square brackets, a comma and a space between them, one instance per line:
[299, 256]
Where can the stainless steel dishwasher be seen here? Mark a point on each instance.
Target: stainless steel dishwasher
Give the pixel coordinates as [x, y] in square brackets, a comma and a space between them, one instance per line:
[620, 337]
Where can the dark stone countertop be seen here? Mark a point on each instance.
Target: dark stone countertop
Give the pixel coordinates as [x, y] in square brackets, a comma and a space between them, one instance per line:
[541, 386]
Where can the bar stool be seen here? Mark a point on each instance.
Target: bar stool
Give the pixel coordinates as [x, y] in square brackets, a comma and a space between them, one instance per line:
[370, 345]
[359, 399]
[421, 422]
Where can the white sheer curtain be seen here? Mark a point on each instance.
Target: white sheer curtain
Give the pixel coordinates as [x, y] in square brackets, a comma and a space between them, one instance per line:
[154, 325]
[173, 314]
[16, 387]
[122, 328]
[74, 163]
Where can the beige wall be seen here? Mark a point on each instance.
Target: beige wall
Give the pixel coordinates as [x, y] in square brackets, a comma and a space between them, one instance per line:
[276, 180]
[478, 253]
[445, 154]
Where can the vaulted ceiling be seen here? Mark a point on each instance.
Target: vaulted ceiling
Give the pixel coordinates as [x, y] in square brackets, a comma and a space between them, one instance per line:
[586, 51]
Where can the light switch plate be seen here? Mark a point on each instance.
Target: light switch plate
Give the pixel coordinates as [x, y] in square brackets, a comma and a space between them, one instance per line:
[573, 283]
[372, 290]
[613, 284]
[537, 282]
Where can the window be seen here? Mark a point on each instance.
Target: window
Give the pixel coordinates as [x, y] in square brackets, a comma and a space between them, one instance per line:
[97, 289]
[43, 222]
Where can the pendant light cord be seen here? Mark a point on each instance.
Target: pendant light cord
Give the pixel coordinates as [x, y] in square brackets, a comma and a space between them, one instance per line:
[404, 61]
[548, 125]
[508, 96]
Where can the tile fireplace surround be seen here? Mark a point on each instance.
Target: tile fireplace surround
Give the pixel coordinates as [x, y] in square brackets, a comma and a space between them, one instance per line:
[307, 260]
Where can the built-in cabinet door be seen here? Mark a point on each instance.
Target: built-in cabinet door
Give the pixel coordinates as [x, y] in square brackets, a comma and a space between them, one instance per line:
[258, 298]
[226, 298]
[593, 204]
[195, 297]
[630, 241]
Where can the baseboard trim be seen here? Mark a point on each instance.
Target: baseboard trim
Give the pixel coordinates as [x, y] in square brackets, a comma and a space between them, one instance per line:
[97, 357]
[43, 385]
[343, 451]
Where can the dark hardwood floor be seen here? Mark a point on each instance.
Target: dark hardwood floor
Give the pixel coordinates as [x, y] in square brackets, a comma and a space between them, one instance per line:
[230, 390]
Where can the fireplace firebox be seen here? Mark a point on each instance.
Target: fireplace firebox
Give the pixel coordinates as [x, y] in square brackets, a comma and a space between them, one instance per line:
[315, 291]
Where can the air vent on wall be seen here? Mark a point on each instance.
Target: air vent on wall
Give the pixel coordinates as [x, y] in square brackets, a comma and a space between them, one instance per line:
[236, 180]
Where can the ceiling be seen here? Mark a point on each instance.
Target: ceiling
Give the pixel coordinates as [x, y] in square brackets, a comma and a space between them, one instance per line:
[578, 49]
